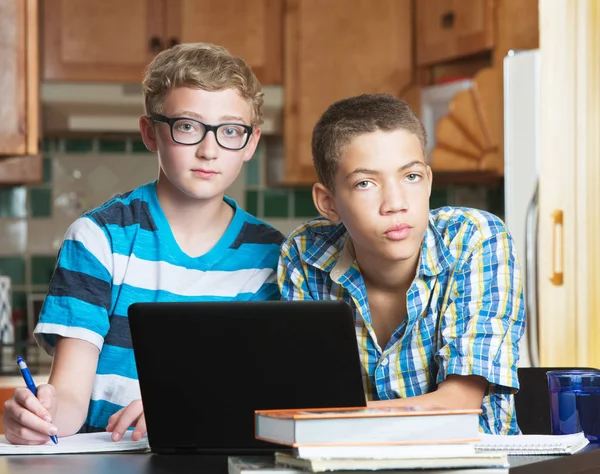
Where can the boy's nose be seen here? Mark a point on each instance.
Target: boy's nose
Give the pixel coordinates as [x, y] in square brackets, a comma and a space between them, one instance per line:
[394, 199]
[208, 148]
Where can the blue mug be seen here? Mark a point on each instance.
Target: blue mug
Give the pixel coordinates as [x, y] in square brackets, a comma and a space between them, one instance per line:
[575, 402]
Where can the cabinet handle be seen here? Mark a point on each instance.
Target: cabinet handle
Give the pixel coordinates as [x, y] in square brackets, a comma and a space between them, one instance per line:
[156, 44]
[447, 20]
[173, 42]
[557, 220]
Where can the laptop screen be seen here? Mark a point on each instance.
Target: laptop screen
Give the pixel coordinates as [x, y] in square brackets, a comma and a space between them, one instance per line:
[205, 367]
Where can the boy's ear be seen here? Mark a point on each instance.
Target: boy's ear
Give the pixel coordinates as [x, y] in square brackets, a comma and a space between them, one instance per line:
[252, 144]
[324, 202]
[429, 178]
[148, 133]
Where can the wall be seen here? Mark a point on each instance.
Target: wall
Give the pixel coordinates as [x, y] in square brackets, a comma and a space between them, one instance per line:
[80, 174]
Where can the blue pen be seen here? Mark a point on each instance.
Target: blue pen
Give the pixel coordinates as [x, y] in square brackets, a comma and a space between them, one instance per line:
[30, 385]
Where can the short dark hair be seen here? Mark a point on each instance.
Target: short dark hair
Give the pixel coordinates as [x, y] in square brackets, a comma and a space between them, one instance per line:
[348, 118]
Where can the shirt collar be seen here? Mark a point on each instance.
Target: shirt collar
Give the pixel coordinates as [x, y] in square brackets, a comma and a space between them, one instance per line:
[333, 252]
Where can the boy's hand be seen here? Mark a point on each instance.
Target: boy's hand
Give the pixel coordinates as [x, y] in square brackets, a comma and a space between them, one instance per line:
[27, 419]
[131, 415]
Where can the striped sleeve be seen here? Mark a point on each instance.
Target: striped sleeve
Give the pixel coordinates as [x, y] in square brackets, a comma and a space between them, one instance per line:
[291, 272]
[481, 329]
[79, 297]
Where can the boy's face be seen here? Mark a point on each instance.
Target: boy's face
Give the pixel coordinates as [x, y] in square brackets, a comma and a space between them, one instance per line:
[203, 171]
[382, 190]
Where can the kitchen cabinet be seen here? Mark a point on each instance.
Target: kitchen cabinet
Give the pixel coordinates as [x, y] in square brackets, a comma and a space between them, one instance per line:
[469, 140]
[113, 41]
[450, 29]
[19, 80]
[333, 51]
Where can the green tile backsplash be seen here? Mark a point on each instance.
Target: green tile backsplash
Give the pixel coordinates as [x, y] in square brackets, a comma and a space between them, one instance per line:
[303, 203]
[78, 145]
[112, 146]
[13, 202]
[40, 202]
[47, 169]
[252, 202]
[14, 267]
[276, 202]
[42, 267]
[137, 146]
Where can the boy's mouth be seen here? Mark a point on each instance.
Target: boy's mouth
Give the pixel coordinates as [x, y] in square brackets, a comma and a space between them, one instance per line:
[204, 174]
[398, 231]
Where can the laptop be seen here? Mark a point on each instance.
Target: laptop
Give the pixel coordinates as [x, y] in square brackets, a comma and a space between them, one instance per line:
[204, 367]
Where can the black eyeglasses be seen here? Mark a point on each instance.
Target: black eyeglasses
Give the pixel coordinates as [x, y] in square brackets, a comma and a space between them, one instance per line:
[188, 131]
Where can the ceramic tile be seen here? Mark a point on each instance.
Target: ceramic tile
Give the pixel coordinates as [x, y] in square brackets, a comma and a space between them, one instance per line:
[76, 145]
[137, 146]
[13, 202]
[276, 202]
[13, 236]
[42, 267]
[45, 236]
[14, 267]
[40, 202]
[251, 205]
[303, 203]
[111, 146]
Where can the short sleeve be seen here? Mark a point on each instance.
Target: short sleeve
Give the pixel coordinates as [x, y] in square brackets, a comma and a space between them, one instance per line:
[482, 327]
[79, 297]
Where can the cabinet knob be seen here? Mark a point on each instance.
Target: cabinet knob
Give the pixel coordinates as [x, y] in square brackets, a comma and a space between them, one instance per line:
[173, 42]
[447, 20]
[156, 44]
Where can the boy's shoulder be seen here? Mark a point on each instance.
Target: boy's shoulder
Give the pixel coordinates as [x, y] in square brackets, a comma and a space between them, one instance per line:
[316, 240]
[254, 230]
[129, 208]
[469, 224]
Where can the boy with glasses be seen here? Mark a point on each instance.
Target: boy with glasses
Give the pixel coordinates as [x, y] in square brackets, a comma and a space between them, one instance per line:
[437, 295]
[176, 239]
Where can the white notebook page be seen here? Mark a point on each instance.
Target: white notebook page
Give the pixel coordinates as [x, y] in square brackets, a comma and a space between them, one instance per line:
[79, 443]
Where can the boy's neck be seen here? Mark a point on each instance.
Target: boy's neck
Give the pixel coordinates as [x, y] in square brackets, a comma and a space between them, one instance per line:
[188, 217]
[387, 275]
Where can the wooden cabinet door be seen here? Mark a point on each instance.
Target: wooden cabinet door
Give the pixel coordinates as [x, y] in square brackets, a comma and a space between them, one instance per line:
[449, 29]
[19, 79]
[250, 29]
[108, 40]
[20, 161]
[335, 50]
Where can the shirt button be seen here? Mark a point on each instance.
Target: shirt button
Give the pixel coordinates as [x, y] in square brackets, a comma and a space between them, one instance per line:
[384, 362]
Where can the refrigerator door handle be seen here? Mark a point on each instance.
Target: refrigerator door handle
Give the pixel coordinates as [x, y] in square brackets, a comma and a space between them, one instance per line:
[531, 294]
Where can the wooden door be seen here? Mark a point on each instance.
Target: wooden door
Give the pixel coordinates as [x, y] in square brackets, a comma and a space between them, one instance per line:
[108, 40]
[332, 51]
[449, 29]
[250, 29]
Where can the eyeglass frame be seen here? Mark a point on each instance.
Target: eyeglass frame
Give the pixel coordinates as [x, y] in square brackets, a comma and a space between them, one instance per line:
[207, 128]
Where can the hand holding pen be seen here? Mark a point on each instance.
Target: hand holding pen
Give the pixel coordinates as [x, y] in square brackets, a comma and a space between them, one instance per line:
[31, 385]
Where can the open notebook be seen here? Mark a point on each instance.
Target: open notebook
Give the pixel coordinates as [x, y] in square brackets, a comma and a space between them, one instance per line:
[533, 444]
[79, 443]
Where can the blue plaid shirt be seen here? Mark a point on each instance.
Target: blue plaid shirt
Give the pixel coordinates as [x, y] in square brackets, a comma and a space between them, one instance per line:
[465, 308]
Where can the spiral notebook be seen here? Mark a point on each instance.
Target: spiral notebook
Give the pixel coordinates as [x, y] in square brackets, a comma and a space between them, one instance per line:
[533, 444]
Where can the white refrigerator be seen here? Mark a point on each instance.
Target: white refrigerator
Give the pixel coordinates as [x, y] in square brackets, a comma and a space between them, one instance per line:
[521, 170]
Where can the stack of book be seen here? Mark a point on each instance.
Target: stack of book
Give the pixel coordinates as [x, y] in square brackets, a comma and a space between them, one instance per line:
[367, 439]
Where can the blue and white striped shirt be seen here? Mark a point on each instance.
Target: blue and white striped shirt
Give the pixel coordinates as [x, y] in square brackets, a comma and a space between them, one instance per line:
[465, 307]
[124, 252]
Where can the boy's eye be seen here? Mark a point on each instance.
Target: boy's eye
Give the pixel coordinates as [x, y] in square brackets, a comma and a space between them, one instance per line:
[412, 177]
[363, 185]
[187, 127]
[231, 132]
